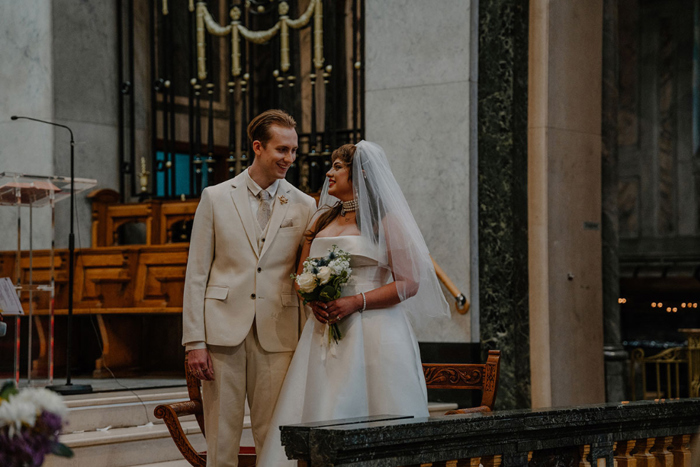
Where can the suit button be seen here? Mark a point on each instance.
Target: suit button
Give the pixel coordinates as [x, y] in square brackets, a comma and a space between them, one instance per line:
[263, 239]
[259, 269]
[252, 295]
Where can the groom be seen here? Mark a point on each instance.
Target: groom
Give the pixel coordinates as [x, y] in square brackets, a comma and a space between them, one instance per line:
[240, 312]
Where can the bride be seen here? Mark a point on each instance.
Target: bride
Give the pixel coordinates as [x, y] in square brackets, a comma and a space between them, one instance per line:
[375, 369]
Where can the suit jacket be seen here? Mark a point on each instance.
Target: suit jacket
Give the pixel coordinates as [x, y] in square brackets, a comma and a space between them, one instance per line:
[229, 283]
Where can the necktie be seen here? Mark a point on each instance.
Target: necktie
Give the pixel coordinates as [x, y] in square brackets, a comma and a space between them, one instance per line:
[264, 209]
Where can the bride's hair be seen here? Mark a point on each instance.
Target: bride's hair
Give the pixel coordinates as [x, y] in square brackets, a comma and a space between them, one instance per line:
[346, 153]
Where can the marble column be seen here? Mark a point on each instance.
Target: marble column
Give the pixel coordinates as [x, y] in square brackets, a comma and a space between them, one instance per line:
[615, 355]
[564, 202]
[502, 192]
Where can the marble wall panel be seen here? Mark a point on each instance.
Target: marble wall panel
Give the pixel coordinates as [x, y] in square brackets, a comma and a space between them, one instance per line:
[95, 158]
[86, 99]
[84, 50]
[628, 124]
[424, 131]
[26, 73]
[410, 43]
[417, 108]
[628, 207]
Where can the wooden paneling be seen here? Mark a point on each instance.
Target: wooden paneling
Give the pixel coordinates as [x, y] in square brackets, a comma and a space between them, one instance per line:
[117, 284]
[158, 217]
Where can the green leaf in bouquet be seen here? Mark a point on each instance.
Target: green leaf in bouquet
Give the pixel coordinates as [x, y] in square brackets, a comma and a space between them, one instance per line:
[329, 293]
[61, 450]
[8, 389]
[309, 297]
[340, 280]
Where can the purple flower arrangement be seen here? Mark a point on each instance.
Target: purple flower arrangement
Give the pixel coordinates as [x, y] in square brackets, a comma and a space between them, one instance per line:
[30, 422]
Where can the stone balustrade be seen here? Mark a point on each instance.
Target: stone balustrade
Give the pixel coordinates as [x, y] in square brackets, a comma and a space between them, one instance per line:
[637, 434]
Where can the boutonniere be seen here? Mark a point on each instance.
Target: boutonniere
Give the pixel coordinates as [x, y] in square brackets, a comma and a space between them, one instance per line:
[283, 200]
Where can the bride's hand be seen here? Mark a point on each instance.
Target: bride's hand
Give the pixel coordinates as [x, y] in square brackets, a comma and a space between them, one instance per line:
[320, 312]
[342, 307]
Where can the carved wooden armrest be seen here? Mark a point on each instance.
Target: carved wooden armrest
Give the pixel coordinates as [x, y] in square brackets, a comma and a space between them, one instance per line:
[169, 413]
[479, 409]
[186, 408]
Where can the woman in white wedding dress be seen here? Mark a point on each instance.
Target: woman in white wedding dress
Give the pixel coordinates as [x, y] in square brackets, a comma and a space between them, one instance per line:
[375, 369]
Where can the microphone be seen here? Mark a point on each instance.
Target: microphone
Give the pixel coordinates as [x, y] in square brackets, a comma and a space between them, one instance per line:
[69, 387]
[16, 117]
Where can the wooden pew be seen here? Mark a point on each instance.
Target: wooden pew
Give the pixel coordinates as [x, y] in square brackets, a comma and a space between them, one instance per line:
[159, 218]
[483, 377]
[113, 284]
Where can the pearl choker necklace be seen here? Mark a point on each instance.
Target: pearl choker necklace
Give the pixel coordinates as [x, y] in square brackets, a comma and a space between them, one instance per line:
[348, 206]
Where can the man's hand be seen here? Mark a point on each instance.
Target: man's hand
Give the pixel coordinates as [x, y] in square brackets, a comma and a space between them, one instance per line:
[200, 365]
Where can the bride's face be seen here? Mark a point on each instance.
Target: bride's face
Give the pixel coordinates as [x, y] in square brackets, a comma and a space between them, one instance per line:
[339, 183]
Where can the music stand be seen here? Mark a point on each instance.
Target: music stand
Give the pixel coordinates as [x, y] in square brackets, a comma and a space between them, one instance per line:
[32, 191]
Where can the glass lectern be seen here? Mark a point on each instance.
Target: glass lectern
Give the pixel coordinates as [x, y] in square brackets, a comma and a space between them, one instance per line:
[33, 191]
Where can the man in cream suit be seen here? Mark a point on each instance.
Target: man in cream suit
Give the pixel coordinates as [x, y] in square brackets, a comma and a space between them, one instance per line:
[240, 310]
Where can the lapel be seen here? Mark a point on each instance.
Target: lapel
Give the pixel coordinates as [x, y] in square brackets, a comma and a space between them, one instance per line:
[278, 213]
[239, 195]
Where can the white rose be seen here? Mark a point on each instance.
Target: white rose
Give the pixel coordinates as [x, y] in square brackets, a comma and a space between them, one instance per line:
[324, 274]
[306, 282]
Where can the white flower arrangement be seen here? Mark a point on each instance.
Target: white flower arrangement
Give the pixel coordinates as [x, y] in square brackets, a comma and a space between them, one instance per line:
[322, 280]
[30, 423]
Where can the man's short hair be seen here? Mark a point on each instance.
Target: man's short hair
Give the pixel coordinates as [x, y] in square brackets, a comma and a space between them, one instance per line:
[259, 127]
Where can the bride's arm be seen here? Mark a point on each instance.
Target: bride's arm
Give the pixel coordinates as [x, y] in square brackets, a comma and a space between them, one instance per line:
[381, 297]
[405, 285]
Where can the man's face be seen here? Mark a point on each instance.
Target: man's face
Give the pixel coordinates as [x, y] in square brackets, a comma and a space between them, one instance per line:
[275, 158]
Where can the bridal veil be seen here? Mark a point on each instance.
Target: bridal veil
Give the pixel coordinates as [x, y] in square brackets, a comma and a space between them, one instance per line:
[384, 218]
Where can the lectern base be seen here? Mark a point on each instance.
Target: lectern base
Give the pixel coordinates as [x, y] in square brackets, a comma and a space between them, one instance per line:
[70, 389]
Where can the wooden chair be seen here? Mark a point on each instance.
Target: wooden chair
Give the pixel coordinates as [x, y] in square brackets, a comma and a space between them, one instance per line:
[483, 377]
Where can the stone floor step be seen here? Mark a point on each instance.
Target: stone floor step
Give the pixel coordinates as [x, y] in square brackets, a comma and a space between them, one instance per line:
[125, 447]
[122, 447]
[118, 412]
[120, 409]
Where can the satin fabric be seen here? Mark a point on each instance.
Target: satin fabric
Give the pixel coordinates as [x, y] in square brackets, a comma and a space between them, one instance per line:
[376, 369]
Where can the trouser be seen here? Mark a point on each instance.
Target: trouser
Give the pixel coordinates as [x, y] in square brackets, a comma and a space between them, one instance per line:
[240, 370]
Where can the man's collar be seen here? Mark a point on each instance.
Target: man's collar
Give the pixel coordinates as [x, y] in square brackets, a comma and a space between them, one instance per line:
[256, 189]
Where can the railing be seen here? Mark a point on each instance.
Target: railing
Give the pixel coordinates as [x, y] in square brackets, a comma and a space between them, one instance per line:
[666, 363]
[462, 303]
[637, 434]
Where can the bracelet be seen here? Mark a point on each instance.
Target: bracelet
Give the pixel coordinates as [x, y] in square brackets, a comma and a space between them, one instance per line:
[364, 302]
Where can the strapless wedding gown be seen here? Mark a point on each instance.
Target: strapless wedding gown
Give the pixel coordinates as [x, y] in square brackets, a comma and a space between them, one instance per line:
[376, 369]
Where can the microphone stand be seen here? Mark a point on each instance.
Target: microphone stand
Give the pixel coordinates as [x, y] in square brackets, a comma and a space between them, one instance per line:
[68, 388]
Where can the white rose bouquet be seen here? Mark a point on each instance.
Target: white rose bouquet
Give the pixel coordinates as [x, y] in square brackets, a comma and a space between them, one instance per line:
[30, 422]
[322, 280]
